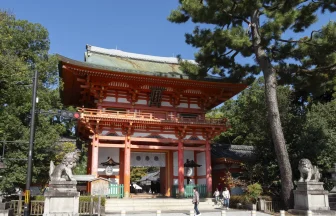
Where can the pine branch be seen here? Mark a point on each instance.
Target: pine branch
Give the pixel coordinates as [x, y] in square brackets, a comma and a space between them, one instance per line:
[225, 54]
[318, 69]
[302, 41]
[236, 17]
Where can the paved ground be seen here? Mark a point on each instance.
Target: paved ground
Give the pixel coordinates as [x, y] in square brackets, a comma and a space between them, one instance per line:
[184, 213]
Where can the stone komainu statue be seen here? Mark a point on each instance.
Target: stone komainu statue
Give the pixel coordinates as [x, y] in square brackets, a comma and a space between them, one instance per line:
[63, 171]
[308, 172]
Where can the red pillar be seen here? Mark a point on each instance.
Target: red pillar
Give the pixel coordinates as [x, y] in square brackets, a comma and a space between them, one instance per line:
[180, 168]
[94, 155]
[208, 168]
[127, 166]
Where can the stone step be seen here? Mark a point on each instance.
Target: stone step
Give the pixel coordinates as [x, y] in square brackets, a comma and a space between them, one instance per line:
[138, 205]
[157, 200]
[332, 205]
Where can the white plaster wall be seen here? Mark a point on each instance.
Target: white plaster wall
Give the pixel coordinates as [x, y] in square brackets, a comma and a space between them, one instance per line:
[105, 132]
[166, 104]
[175, 164]
[187, 155]
[110, 99]
[103, 153]
[122, 100]
[194, 106]
[169, 136]
[137, 134]
[201, 181]
[201, 161]
[183, 105]
[141, 102]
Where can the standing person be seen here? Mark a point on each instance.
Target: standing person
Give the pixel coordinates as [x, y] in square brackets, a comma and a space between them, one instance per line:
[216, 194]
[195, 201]
[226, 197]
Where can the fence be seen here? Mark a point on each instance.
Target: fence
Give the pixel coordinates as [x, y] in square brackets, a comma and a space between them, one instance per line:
[271, 206]
[189, 190]
[91, 207]
[116, 190]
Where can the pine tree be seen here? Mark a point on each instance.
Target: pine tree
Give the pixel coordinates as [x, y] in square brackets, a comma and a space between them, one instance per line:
[232, 29]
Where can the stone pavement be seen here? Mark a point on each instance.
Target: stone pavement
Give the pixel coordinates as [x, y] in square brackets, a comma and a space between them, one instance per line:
[230, 212]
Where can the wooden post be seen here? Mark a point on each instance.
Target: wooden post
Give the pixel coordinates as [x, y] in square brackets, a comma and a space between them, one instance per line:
[19, 205]
[99, 201]
[94, 156]
[208, 168]
[127, 164]
[180, 168]
[91, 205]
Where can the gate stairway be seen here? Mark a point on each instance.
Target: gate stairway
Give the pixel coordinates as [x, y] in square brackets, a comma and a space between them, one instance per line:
[152, 204]
[332, 201]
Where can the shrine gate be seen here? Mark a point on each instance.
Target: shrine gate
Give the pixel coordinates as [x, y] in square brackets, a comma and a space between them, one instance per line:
[140, 109]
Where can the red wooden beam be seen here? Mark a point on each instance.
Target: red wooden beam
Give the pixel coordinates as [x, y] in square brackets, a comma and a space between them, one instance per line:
[154, 147]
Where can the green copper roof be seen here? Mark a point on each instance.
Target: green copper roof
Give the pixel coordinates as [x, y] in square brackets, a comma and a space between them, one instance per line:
[132, 62]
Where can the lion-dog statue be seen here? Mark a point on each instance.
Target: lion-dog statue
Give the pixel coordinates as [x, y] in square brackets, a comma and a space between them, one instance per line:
[308, 172]
[63, 171]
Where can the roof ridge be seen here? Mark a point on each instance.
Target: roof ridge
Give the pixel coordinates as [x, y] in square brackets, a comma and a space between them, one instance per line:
[120, 53]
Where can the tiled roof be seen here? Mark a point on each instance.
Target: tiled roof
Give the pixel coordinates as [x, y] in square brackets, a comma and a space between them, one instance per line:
[235, 152]
[154, 176]
[117, 60]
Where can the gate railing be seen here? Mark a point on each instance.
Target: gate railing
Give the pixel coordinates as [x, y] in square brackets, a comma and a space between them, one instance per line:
[189, 190]
[116, 190]
[91, 207]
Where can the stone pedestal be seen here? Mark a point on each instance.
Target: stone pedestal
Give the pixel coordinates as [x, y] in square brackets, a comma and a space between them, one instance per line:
[311, 196]
[4, 209]
[61, 198]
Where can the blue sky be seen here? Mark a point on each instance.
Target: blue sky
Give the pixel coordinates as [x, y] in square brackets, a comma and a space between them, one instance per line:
[133, 26]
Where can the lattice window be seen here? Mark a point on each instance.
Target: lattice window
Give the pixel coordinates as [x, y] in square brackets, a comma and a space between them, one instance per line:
[156, 96]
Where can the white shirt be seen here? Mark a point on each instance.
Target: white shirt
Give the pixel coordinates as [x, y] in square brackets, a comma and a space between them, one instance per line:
[226, 194]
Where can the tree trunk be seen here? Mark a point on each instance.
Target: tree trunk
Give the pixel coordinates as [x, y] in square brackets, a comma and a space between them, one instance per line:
[273, 114]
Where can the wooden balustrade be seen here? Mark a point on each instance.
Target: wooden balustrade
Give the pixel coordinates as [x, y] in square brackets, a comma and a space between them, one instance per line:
[158, 117]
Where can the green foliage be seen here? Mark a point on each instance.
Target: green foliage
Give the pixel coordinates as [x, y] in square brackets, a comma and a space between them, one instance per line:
[253, 192]
[317, 140]
[81, 199]
[137, 173]
[95, 199]
[62, 149]
[235, 199]
[225, 35]
[248, 119]
[24, 48]
[310, 133]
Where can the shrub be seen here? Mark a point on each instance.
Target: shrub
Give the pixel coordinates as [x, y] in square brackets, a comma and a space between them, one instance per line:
[95, 199]
[38, 198]
[253, 192]
[237, 199]
[81, 199]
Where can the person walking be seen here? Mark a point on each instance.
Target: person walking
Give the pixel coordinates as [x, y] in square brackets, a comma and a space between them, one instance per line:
[226, 197]
[195, 201]
[216, 195]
